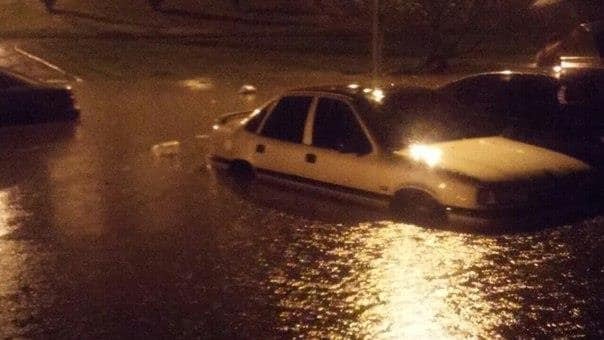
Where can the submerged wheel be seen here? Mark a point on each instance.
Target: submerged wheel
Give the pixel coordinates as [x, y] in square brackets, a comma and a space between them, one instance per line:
[242, 170]
[417, 207]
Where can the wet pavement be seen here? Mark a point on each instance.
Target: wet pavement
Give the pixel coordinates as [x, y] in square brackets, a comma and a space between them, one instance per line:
[114, 228]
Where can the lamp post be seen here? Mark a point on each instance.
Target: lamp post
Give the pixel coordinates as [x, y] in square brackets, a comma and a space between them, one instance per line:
[375, 44]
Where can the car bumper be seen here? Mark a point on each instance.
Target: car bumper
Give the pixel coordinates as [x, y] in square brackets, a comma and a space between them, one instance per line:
[514, 218]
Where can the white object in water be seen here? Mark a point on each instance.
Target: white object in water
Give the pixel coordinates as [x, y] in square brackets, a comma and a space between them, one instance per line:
[165, 149]
[248, 89]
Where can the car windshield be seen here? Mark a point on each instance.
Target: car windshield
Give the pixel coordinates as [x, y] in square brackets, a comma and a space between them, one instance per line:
[425, 116]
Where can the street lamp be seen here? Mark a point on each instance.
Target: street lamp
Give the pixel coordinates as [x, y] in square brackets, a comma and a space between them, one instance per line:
[375, 48]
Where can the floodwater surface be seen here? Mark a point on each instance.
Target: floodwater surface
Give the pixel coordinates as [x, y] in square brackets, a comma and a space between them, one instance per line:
[115, 227]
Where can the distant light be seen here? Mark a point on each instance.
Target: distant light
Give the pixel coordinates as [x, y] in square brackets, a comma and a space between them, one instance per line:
[507, 72]
[558, 68]
[377, 95]
[367, 90]
[429, 155]
[353, 86]
[197, 84]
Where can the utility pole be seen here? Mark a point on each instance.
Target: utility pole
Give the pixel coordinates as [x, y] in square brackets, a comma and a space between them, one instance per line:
[375, 49]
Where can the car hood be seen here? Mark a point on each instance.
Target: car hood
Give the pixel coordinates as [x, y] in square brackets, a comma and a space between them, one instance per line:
[495, 159]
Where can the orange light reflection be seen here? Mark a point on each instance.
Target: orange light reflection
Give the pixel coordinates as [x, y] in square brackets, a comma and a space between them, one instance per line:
[425, 283]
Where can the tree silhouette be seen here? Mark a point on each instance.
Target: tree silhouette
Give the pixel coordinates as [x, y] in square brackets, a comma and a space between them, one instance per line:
[449, 26]
[156, 4]
[50, 5]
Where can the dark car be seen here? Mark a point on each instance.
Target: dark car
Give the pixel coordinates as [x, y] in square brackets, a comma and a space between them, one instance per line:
[562, 112]
[27, 101]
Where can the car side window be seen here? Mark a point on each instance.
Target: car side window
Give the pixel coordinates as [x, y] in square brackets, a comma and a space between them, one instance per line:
[287, 120]
[336, 127]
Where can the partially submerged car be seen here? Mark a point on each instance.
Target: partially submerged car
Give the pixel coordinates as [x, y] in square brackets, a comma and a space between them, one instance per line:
[27, 101]
[401, 147]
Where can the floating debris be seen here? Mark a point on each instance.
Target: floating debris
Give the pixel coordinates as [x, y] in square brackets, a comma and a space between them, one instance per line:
[248, 89]
[197, 84]
[166, 149]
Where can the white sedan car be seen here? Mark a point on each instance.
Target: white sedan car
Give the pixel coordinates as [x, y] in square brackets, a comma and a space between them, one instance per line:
[401, 147]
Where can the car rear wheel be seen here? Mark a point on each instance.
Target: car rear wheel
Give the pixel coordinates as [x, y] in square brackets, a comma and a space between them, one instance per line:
[417, 207]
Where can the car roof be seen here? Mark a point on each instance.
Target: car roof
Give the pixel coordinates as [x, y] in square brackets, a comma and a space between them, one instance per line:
[503, 75]
[362, 92]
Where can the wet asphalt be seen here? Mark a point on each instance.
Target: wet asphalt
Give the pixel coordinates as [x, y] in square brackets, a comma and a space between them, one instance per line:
[106, 231]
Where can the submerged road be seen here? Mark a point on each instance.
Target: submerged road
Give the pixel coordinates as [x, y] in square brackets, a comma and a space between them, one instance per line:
[114, 228]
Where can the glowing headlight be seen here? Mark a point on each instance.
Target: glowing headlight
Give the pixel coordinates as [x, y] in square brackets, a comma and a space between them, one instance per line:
[426, 154]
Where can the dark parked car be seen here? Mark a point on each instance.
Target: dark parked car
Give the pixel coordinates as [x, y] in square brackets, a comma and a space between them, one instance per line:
[561, 112]
[27, 101]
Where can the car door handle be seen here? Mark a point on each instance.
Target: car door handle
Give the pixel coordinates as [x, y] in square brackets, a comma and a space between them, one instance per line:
[260, 148]
[311, 158]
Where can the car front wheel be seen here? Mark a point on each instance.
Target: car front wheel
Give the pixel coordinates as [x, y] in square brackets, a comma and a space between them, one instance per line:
[417, 207]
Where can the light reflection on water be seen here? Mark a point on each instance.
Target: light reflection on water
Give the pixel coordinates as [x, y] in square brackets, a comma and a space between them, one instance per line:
[423, 280]
[11, 266]
[388, 280]
[10, 210]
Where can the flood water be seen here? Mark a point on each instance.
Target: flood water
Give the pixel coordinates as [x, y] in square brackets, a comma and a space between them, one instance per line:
[115, 227]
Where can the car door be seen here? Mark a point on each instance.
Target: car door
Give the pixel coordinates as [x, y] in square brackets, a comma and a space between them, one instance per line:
[342, 154]
[279, 149]
[4, 97]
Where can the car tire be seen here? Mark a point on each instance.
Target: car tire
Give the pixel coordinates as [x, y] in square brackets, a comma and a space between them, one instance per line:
[417, 207]
[242, 171]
